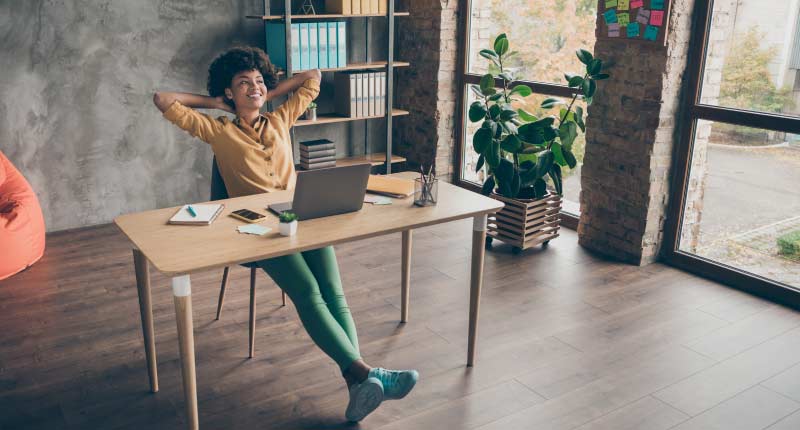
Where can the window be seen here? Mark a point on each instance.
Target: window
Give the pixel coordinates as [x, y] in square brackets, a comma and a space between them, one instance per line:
[546, 36]
[736, 205]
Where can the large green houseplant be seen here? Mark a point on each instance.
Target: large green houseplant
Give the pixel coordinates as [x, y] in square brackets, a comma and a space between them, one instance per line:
[518, 149]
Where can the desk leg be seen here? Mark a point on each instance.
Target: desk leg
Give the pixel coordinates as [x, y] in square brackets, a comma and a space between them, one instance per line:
[182, 295]
[142, 270]
[475, 282]
[405, 276]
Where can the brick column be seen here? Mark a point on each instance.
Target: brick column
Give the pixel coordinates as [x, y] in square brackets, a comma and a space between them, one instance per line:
[631, 131]
[427, 89]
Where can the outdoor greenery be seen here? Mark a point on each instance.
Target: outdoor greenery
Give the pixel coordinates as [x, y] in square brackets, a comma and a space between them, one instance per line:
[789, 244]
[519, 149]
[746, 79]
[747, 84]
[287, 217]
[562, 27]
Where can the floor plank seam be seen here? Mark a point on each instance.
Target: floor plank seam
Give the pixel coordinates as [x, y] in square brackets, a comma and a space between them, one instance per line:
[761, 384]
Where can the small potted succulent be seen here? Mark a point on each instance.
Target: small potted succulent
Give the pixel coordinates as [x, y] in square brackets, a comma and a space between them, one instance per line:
[288, 223]
[311, 111]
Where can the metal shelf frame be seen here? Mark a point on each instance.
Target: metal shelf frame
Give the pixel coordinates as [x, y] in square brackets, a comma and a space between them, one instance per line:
[389, 67]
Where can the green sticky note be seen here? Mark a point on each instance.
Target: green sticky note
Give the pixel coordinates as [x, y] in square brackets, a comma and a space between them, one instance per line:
[657, 4]
[651, 32]
[633, 30]
[623, 19]
[610, 16]
[611, 3]
[623, 4]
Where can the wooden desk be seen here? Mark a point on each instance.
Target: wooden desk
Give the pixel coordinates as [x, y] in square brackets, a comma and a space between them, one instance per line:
[177, 251]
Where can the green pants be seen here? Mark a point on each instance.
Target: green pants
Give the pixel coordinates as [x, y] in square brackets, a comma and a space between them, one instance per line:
[311, 280]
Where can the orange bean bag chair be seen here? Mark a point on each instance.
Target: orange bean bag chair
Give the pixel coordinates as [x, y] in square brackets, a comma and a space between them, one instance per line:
[21, 221]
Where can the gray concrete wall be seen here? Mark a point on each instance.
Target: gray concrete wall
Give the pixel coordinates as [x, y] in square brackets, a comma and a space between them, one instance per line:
[76, 111]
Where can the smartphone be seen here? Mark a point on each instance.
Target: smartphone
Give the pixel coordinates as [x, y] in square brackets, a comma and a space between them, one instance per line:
[247, 215]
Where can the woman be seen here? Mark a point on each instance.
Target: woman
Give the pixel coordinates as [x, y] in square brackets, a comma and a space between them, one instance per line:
[254, 155]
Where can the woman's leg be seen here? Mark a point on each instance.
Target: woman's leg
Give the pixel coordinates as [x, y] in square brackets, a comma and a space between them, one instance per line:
[293, 276]
[323, 265]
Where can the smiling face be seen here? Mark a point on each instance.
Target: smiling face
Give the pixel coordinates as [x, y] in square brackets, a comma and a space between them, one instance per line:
[247, 90]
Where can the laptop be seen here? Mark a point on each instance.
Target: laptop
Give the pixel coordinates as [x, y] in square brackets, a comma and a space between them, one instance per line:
[325, 192]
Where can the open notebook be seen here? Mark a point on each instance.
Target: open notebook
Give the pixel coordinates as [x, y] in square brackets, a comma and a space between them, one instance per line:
[206, 214]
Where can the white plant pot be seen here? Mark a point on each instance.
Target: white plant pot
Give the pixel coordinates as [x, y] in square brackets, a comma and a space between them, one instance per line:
[287, 228]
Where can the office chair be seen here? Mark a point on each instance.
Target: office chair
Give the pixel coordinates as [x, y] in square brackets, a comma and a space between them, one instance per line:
[219, 192]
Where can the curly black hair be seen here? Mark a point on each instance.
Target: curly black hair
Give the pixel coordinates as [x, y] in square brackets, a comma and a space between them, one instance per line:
[236, 60]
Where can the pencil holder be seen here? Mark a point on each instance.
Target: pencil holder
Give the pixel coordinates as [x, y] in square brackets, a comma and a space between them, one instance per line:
[426, 192]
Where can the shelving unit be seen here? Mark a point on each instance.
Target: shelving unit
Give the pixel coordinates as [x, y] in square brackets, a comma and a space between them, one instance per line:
[372, 65]
[331, 118]
[385, 158]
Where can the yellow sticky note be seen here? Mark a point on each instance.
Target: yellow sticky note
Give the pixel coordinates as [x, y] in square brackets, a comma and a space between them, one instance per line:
[623, 19]
[623, 4]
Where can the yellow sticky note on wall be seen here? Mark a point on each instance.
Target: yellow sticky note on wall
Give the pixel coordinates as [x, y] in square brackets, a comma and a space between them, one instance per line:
[624, 4]
[623, 19]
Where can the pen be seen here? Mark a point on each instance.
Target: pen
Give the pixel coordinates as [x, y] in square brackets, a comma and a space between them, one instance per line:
[191, 210]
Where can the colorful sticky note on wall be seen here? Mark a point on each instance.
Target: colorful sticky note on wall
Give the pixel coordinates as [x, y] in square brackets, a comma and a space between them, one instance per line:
[612, 33]
[637, 3]
[610, 16]
[633, 30]
[651, 33]
[623, 18]
[643, 17]
[623, 4]
[611, 3]
[657, 4]
[657, 17]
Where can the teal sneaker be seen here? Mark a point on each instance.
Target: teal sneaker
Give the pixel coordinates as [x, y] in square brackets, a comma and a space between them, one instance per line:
[365, 397]
[396, 383]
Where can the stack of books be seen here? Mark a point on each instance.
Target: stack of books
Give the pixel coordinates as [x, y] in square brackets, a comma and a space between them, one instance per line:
[360, 94]
[356, 7]
[314, 45]
[316, 154]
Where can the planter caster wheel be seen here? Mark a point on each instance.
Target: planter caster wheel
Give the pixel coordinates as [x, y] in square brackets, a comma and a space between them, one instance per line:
[488, 244]
[545, 243]
[516, 250]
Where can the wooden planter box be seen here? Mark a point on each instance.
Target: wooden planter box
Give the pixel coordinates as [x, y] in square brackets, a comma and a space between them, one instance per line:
[525, 223]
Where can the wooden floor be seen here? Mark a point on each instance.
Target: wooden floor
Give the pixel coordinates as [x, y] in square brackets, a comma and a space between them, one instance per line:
[566, 341]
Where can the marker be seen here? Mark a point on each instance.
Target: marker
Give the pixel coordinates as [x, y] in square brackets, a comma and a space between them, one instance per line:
[191, 211]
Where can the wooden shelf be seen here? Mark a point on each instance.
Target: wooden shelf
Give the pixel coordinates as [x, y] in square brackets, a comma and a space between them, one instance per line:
[319, 16]
[376, 159]
[357, 66]
[333, 118]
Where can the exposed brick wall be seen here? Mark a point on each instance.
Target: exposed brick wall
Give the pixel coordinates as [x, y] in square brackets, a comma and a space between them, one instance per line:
[631, 130]
[427, 89]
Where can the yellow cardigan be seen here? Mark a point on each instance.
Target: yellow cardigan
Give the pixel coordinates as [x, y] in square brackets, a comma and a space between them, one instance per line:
[251, 160]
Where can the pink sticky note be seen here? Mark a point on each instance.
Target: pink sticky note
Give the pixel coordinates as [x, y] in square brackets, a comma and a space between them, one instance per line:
[656, 17]
[637, 3]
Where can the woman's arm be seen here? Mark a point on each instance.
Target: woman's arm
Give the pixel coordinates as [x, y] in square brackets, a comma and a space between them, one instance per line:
[294, 83]
[163, 100]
